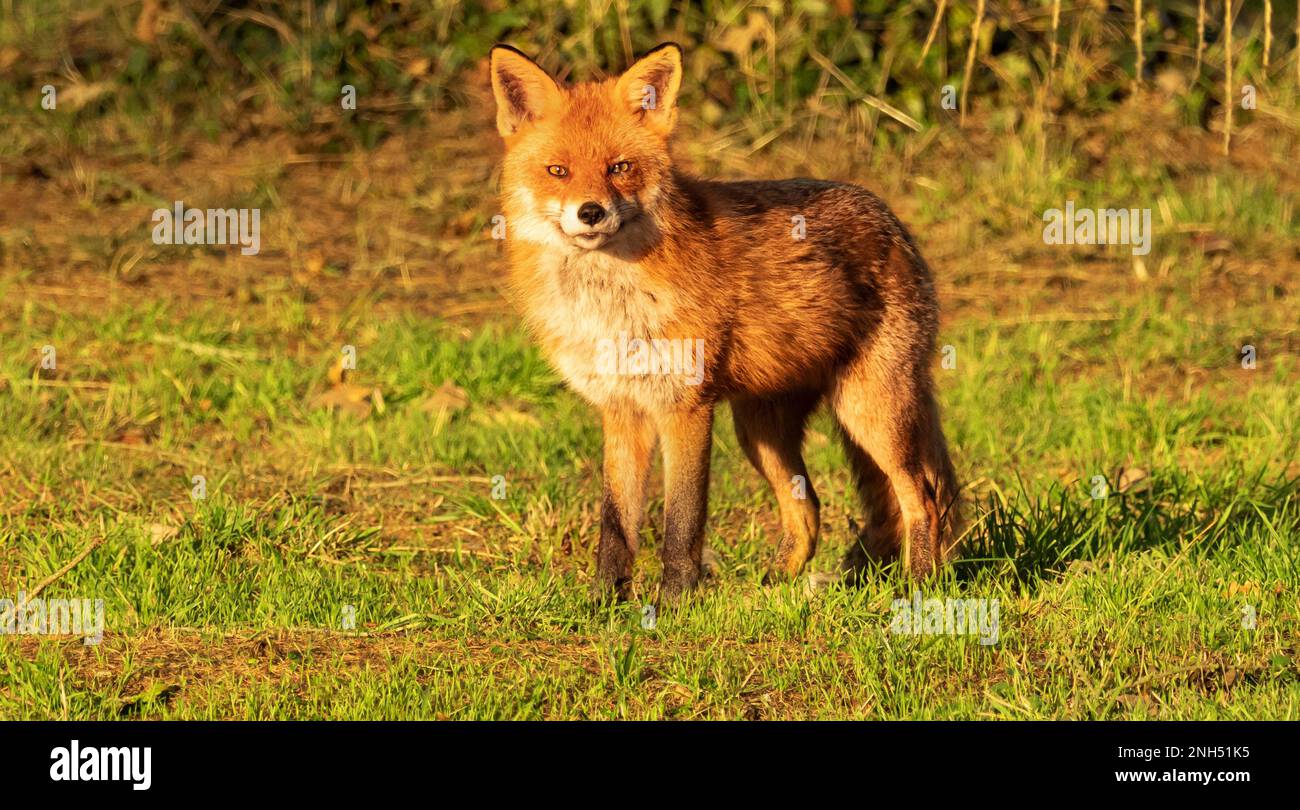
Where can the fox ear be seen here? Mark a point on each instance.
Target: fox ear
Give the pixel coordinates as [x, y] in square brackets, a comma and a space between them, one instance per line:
[650, 86]
[524, 92]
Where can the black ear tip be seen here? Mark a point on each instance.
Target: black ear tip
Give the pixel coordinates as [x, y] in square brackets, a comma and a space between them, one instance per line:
[501, 46]
[669, 45]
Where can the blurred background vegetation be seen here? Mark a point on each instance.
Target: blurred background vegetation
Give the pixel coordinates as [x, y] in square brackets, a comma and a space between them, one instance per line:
[762, 68]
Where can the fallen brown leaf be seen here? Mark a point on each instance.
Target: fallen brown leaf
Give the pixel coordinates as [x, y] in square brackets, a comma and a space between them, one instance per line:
[1133, 479]
[448, 398]
[161, 533]
[507, 415]
[357, 400]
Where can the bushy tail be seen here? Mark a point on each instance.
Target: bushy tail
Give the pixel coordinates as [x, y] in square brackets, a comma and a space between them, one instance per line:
[942, 478]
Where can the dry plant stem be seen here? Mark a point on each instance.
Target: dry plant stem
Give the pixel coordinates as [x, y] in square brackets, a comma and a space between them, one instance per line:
[52, 578]
[1200, 35]
[970, 57]
[1268, 31]
[1056, 24]
[1227, 76]
[934, 29]
[1137, 44]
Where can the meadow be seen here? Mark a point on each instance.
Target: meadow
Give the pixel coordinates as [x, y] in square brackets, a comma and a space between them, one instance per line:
[275, 536]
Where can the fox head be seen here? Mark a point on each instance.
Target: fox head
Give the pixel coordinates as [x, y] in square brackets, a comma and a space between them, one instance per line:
[585, 164]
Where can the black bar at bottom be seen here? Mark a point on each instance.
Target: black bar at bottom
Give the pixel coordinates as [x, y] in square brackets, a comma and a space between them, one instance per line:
[529, 760]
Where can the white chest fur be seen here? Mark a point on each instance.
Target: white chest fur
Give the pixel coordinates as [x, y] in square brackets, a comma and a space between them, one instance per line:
[594, 313]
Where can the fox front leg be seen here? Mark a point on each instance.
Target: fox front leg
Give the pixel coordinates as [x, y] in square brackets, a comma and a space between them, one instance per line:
[687, 436]
[629, 446]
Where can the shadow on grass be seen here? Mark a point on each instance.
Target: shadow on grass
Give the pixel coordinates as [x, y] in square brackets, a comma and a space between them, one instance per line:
[1032, 539]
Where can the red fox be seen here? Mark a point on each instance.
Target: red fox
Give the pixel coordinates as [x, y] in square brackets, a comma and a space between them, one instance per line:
[658, 295]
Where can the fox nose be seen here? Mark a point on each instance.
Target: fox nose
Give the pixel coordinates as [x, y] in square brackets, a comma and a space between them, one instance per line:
[590, 213]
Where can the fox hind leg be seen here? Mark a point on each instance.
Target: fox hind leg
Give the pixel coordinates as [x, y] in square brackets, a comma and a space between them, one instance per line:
[897, 429]
[771, 432]
[880, 537]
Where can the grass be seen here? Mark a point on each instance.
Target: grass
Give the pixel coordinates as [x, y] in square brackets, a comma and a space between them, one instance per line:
[467, 606]
[454, 516]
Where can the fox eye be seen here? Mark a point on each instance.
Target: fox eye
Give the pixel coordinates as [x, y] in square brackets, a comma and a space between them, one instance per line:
[558, 171]
[620, 167]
